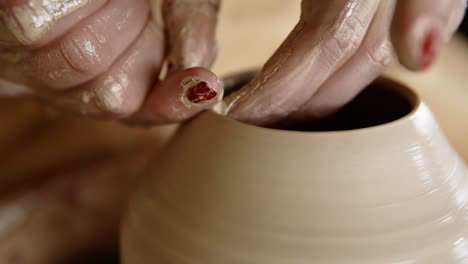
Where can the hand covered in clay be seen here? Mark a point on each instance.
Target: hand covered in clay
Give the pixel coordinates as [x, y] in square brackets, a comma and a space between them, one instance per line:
[105, 58]
[337, 48]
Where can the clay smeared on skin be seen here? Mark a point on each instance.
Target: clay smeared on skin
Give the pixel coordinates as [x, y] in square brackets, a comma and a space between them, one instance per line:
[108, 97]
[156, 13]
[310, 54]
[191, 31]
[32, 20]
[268, 71]
[112, 94]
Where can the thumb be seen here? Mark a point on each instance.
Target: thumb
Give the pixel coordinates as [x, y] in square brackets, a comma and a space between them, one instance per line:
[191, 29]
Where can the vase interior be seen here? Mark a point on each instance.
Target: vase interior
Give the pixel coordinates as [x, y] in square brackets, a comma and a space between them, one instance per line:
[381, 102]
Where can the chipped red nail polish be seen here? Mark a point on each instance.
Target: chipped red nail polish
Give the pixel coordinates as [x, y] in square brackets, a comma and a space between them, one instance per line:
[430, 49]
[200, 93]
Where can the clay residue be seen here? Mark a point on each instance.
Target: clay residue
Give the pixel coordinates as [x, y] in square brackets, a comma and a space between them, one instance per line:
[156, 13]
[277, 61]
[31, 20]
[111, 96]
[186, 84]
[186, 21]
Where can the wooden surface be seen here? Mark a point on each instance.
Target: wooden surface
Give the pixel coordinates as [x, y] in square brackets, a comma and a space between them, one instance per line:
[250, 31]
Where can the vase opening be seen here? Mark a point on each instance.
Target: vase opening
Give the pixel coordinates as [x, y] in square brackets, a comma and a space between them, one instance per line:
[381, 102]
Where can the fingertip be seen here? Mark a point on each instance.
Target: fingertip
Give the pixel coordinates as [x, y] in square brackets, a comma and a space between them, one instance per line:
[418, 47]
[196, 88]
[202, 74]
[419, 30]
[180, 96]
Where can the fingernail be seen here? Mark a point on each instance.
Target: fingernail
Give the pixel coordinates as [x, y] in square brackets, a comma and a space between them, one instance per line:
[28, 22]
[430, 49]
[198, 92]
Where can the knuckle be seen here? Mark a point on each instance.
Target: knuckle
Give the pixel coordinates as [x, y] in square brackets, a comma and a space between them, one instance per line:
[86, 53]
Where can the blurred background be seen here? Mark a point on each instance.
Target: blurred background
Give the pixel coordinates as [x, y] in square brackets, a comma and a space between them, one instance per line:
[63, 179]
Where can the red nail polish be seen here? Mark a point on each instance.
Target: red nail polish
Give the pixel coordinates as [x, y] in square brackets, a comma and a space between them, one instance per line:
[200, 93]
[430, 49]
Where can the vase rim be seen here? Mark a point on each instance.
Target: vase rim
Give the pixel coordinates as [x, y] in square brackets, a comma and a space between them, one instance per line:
[397, 86]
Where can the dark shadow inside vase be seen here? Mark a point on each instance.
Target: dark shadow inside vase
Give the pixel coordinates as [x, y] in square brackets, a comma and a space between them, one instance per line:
[92, 257]
[380, 103]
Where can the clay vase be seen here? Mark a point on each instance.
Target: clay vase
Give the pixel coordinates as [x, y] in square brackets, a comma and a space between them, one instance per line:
[377, 183]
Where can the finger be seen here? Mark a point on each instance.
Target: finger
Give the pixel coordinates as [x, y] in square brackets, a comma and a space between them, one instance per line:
[90, 48]
[327, 36]
[191, 27]
[38, 22]
[421, 27]
[180, 96]
[157, 13]
[372, 58]
[120, 91]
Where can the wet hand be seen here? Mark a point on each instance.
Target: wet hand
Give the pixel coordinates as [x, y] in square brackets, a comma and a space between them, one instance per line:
[337, 48]
[103, 58]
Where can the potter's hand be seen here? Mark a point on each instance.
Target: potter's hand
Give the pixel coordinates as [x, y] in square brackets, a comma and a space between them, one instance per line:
[337, 48]
[103, 57]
